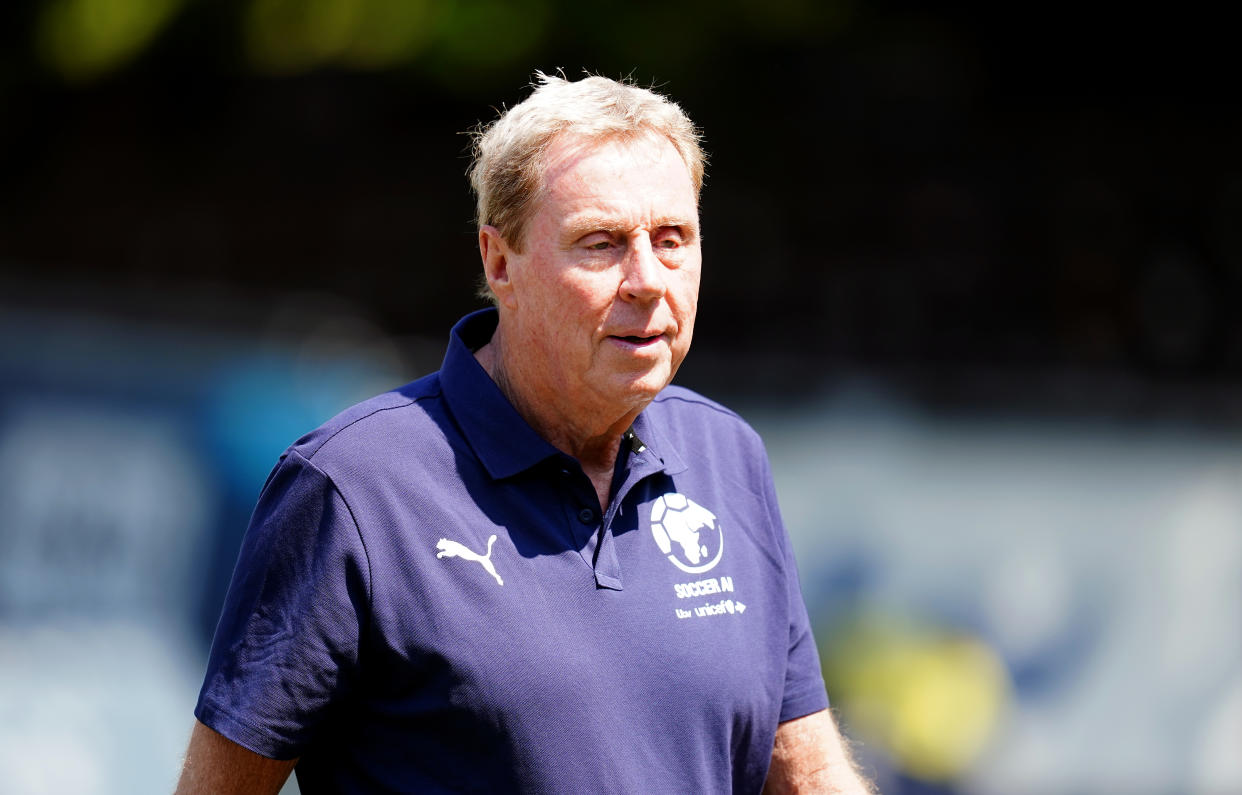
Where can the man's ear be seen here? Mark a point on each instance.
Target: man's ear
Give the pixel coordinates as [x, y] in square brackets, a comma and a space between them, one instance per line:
[496, 256]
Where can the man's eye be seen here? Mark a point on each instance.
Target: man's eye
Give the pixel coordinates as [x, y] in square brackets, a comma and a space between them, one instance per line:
[602, 245]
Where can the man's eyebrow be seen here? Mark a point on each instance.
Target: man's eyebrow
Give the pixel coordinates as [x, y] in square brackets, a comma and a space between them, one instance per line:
[584, 224]
[578, 226]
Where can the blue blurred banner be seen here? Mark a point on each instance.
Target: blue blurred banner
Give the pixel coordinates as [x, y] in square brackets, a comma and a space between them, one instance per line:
[130, 458]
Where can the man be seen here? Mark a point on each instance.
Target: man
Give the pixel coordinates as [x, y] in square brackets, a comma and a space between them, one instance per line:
[541, 569]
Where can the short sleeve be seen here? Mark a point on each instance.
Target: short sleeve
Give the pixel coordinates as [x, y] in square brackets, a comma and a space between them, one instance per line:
[804, 680]
[286, 646]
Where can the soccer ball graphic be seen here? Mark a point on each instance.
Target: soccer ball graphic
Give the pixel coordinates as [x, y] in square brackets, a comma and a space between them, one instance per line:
[686, 532]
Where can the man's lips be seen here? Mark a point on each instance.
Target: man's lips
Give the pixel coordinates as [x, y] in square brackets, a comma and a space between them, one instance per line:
[637, 340]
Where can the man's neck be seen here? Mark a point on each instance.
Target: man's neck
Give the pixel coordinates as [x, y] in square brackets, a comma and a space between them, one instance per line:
[592, 435]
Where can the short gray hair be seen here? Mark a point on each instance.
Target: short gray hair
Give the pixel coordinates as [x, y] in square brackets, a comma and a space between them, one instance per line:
[507, 168]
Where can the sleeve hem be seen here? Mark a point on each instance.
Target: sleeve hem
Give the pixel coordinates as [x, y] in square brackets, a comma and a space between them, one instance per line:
[800, 705]
[261, 741]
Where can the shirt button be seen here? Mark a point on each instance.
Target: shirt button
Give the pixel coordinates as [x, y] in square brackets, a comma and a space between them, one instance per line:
[586, 516]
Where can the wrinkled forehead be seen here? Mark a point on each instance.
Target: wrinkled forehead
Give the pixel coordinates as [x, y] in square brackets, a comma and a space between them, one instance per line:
[618, 185]
[567, 151]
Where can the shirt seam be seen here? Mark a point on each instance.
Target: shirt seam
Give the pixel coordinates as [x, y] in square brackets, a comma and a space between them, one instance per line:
[409, 402]
[361, 540]
[699, 400]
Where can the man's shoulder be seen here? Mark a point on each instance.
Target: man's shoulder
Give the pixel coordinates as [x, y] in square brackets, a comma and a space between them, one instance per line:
[376, 420]
[683, 411]
[678, 401]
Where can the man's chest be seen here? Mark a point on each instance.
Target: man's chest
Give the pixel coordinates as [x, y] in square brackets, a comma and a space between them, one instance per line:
[500, 602]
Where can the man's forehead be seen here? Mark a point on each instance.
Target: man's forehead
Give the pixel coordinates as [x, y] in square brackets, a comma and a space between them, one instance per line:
[567, 153]
[614, 184]
[576, 215]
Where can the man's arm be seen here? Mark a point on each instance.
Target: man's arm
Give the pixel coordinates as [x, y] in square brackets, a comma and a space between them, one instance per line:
[216, 764]
[810, 756]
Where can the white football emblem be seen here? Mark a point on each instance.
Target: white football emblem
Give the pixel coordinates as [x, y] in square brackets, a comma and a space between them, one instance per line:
[686, 532]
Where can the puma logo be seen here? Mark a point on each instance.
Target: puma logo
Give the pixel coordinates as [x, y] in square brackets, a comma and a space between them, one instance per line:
[452, 549]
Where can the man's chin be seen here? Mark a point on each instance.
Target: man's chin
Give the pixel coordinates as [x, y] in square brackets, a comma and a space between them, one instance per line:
[642, 386]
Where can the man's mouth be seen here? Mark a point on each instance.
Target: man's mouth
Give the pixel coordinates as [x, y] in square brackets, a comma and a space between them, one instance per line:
[637, 340]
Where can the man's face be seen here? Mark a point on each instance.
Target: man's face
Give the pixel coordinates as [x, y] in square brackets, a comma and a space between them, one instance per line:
[602, 298]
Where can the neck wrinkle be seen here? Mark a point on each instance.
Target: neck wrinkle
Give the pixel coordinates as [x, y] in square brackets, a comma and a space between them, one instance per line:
[595, 451]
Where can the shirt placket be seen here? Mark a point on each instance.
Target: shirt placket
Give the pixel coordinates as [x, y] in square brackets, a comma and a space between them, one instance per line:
[592, 532]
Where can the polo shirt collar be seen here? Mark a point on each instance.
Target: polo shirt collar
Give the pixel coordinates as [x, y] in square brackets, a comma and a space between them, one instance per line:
[504, 442]
[655, 444]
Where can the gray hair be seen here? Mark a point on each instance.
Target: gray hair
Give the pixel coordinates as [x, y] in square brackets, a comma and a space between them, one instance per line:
[507, 168]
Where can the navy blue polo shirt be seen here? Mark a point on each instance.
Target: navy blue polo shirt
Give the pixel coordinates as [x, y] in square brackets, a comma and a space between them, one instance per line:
[429, 598]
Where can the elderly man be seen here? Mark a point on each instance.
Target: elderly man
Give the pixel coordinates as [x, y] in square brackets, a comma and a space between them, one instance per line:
[541, 569]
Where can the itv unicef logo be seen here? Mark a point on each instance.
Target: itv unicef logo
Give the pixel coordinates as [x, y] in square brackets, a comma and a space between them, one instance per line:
[686, 532]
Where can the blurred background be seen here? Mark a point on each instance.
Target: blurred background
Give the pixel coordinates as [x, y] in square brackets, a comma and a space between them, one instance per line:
[970, 271]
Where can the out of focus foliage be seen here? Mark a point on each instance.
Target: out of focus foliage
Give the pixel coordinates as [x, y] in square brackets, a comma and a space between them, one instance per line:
[86, 40]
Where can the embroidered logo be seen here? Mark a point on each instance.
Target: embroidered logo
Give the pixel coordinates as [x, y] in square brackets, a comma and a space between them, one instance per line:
[686, 532]
[452, 549]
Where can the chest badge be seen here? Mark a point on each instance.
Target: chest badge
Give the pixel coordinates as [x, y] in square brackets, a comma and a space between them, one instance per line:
[447, 548]
[686, 532]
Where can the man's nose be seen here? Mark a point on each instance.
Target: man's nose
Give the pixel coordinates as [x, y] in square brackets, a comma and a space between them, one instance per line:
[643, 277]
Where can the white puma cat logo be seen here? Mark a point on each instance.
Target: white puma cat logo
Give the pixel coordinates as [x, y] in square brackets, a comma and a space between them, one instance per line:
[452, 549]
